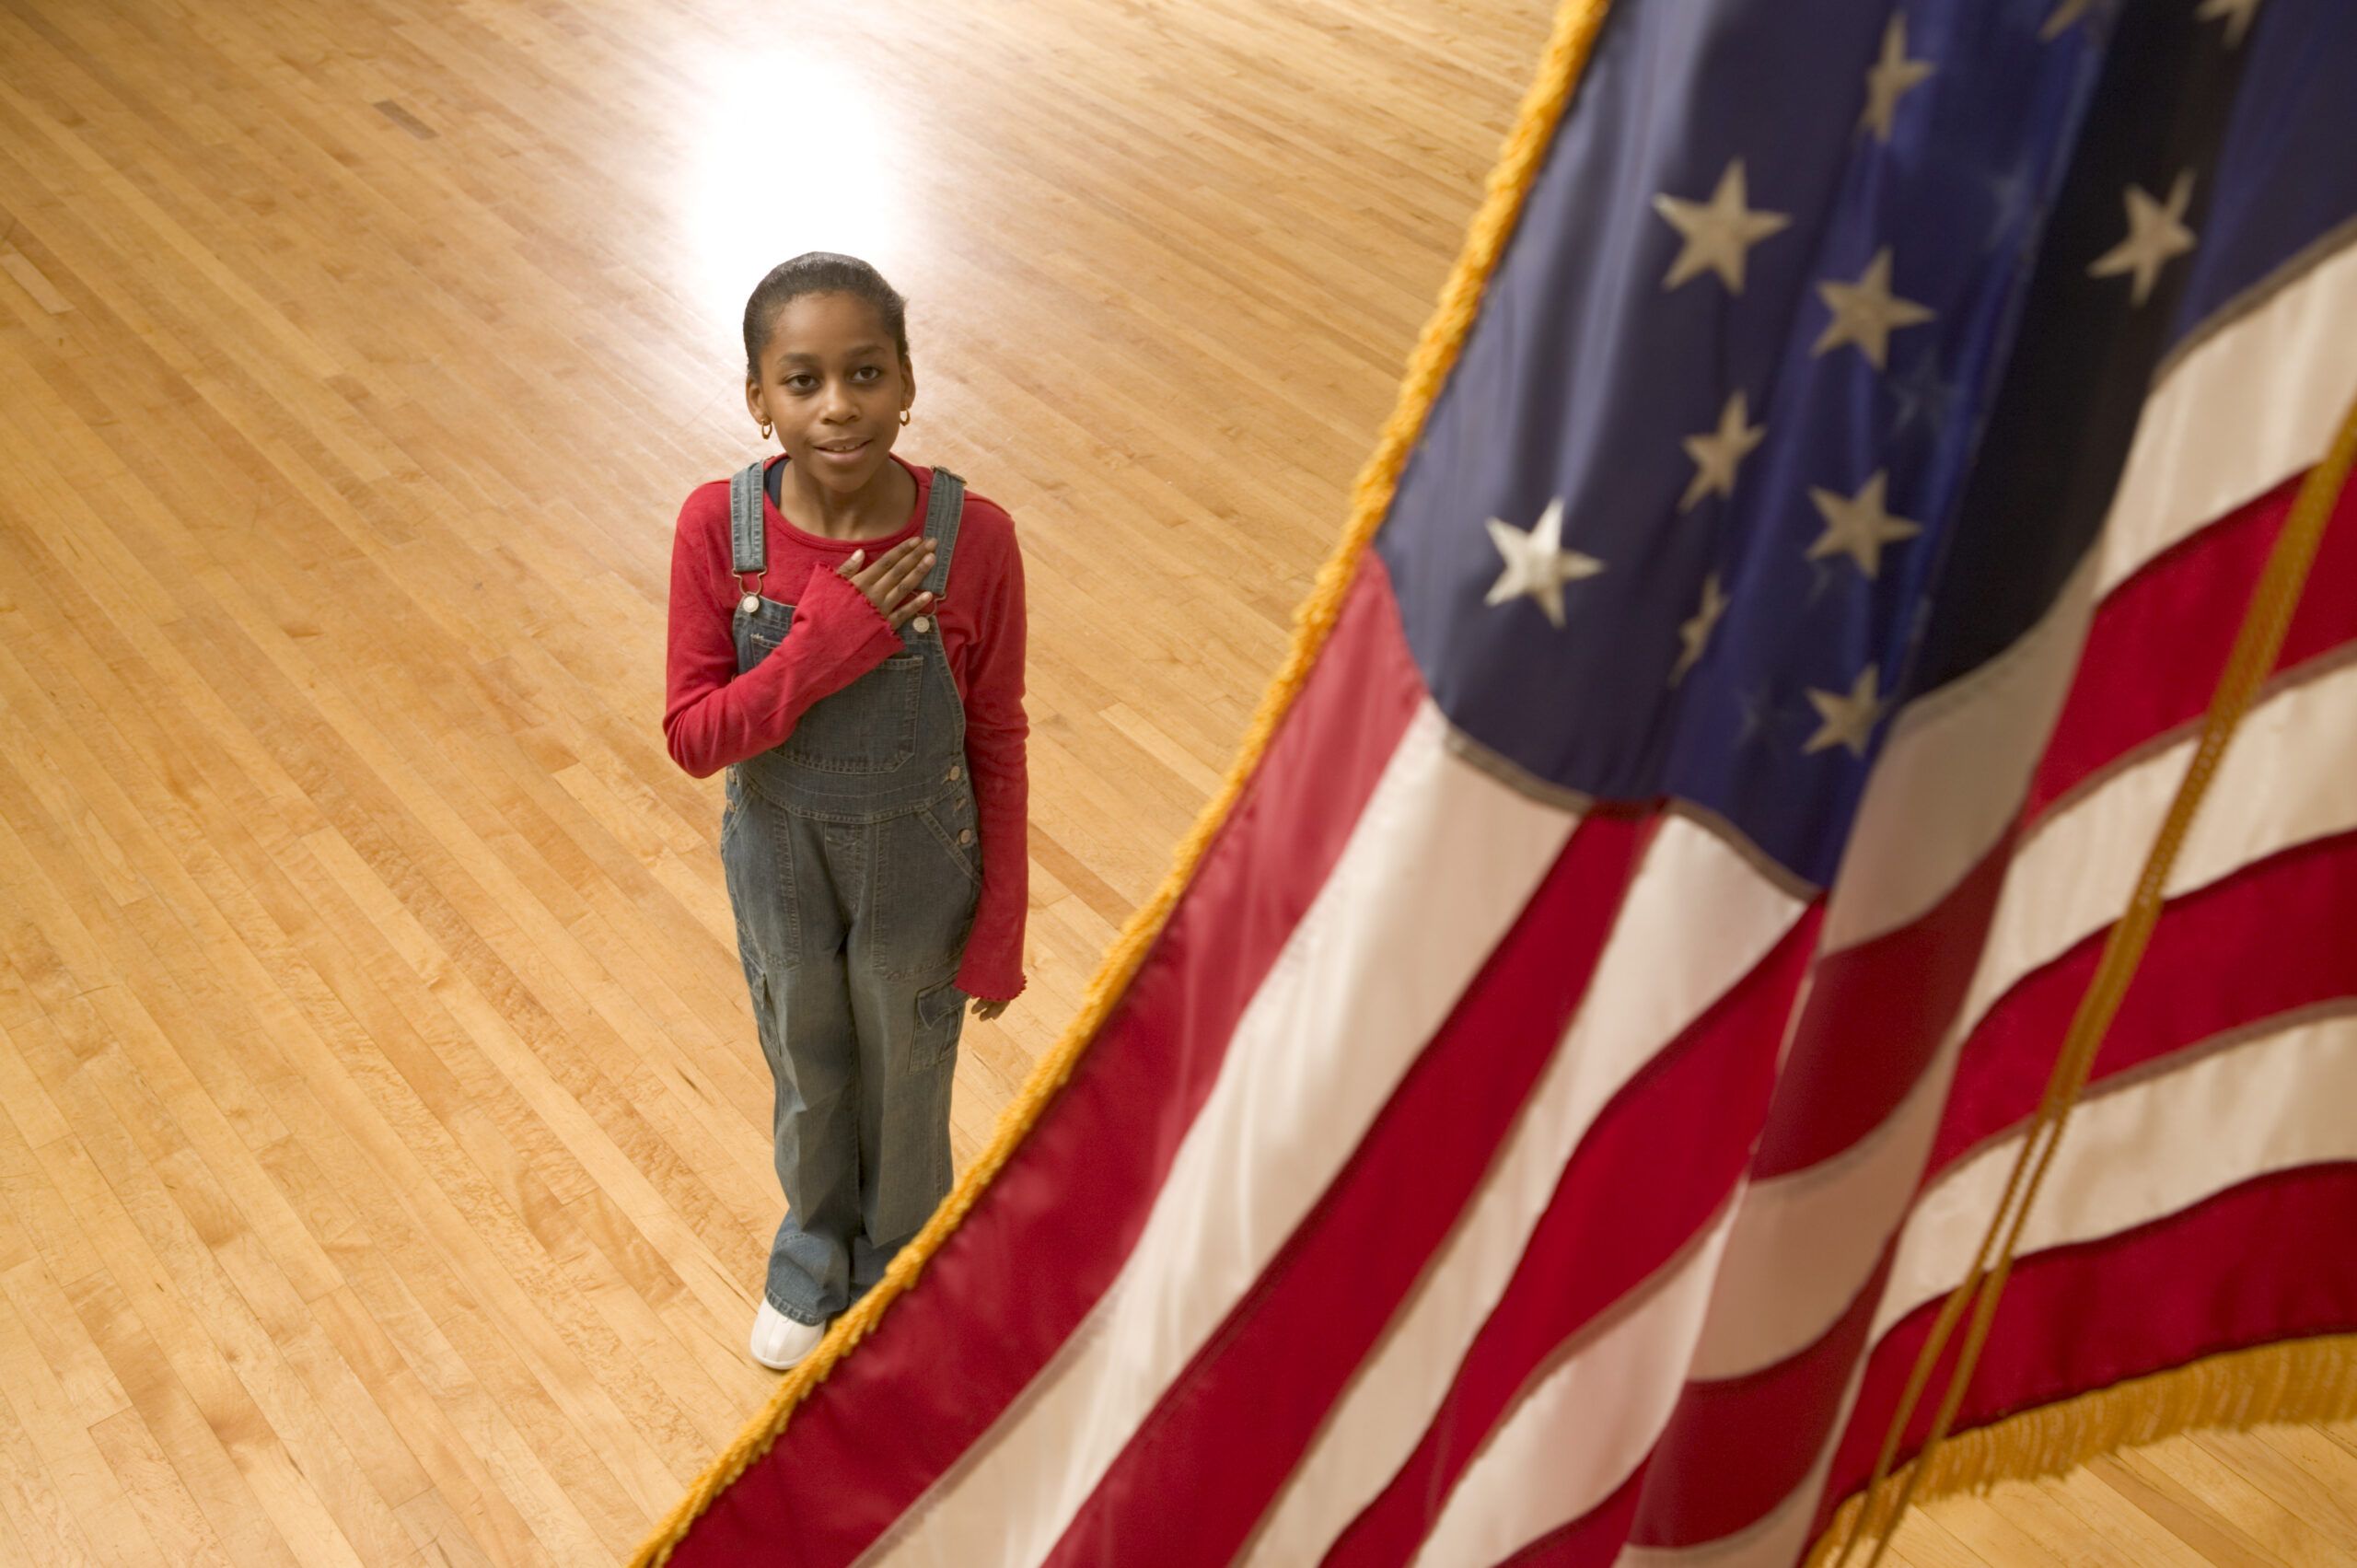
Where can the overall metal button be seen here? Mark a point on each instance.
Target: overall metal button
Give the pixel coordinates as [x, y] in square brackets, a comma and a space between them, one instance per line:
[955, 773]
[967, 837]
[749, 603]
[920, 625]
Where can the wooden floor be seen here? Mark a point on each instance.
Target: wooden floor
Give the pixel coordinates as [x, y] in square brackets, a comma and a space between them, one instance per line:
[384, 1157]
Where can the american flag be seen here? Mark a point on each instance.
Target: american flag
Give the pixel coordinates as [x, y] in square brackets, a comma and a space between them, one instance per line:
[1597, 1031]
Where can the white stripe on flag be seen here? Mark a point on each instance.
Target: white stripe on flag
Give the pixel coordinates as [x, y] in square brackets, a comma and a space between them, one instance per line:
[2145, 1149]
[1805, 1242]
[1696, 919]
[1440, 864]
[2243, 411]
[2287, 779]
[1582, 1429]
[1953, 774]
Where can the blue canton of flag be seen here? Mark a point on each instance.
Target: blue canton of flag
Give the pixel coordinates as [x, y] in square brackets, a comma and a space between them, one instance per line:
[1678, 525]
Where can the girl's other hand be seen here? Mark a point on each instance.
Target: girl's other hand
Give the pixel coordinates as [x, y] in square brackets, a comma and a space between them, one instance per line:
[891, 581]
[988, 1011]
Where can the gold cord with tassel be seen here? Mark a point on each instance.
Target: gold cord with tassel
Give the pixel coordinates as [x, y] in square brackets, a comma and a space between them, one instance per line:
[2257, 643]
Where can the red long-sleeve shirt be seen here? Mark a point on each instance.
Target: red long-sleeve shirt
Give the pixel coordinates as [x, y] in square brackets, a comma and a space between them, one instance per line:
[712, 717]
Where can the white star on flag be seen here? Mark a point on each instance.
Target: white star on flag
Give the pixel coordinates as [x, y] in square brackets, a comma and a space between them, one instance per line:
[2238, 14]
[2009, 202]
[1696, 633]
[2156, 234]
[1866, 312]
[1717, 232]
[1716, 454]
[1922, 393]
[1537, 563]
[1849, 719]
[2066, 15]
[1857, 526]
[1889, 79]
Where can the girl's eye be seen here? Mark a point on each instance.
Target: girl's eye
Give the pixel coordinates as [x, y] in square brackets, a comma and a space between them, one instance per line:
[867, 373]
[801, 383]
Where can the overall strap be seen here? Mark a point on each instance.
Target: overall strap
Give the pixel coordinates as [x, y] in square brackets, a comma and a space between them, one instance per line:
[942, 515]
[748, 539]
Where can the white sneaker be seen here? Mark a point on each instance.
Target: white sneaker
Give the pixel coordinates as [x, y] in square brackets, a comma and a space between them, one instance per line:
[779, 1342]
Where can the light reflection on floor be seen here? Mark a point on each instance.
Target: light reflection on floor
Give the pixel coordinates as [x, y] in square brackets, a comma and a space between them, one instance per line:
[798, 149]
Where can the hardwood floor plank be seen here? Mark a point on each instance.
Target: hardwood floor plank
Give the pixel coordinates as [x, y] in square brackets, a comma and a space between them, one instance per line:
[170, 1517]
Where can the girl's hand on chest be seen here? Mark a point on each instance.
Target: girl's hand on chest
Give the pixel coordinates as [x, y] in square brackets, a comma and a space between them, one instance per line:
[891, 581]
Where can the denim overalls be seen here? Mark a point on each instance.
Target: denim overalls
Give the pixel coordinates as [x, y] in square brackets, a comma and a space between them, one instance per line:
[853, 863]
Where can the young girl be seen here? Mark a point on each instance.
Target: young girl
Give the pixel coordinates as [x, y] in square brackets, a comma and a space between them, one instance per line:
[846, 638]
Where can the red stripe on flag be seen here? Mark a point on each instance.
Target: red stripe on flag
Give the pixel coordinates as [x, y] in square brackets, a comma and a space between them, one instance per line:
[1736, 1447]
[2158, 643]
[1660, 1160]
[958, 1350]
[1900, 992]
[2277, 936]
[2241, 1268]
[1199, 1469]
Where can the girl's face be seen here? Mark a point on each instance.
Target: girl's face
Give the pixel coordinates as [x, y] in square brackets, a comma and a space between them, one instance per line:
[834, 385]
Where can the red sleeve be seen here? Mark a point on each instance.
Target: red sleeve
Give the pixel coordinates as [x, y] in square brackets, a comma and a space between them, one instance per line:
[713, 716]
[996, 733]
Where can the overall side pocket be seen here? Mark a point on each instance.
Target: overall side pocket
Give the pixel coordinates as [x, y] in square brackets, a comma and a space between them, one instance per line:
[941, 1019]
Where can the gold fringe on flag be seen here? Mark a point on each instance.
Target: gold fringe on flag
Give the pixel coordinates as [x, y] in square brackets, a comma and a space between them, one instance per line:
[1568, 47]
[2290, 1381]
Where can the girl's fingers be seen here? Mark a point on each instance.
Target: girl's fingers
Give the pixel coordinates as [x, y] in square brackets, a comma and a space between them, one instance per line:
[895, 561]
[888, 582]
[897, 582]
[883, 563]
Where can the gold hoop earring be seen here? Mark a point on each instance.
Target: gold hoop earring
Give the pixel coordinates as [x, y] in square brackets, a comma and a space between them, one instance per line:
[765, 430]
[904, 419]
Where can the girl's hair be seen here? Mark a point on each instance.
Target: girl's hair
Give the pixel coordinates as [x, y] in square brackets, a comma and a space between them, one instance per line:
[819, 272]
